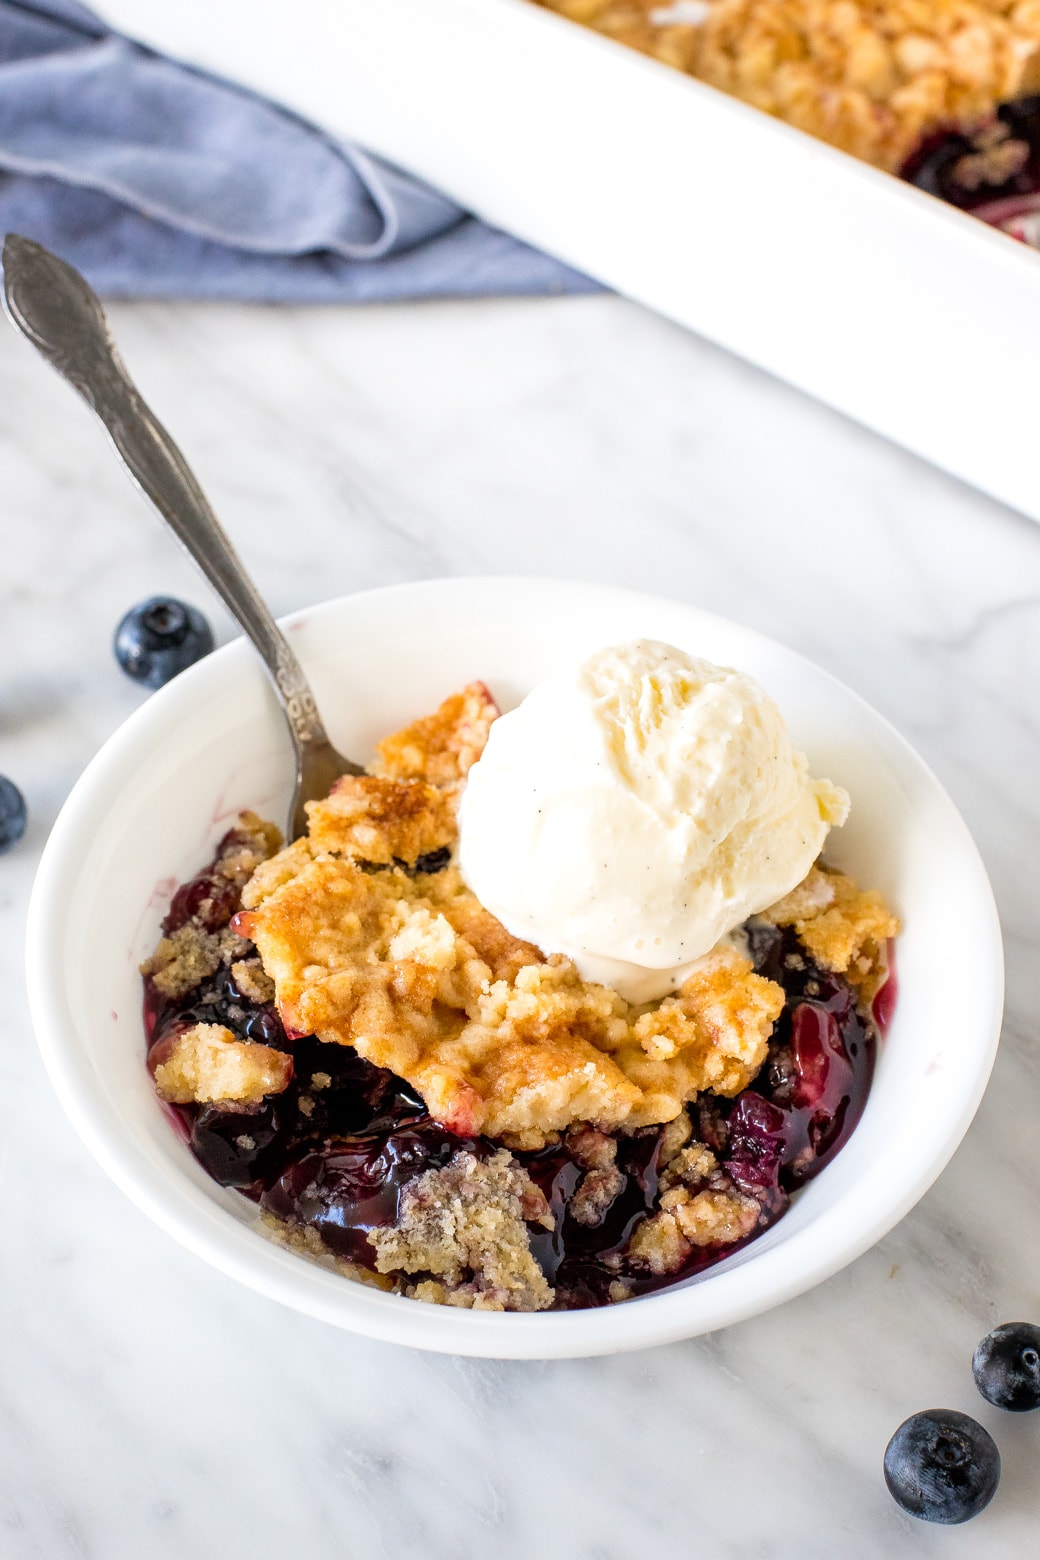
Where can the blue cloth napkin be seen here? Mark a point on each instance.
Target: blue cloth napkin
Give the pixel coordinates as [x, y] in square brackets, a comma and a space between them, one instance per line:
[157, 180]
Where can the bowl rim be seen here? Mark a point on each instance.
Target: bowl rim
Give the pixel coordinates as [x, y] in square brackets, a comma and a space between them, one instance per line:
[197, 1220]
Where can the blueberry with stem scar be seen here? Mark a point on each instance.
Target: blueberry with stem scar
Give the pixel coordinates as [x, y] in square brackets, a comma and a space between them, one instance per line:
[942, 1466]
[1006, 1367]
[159, 638]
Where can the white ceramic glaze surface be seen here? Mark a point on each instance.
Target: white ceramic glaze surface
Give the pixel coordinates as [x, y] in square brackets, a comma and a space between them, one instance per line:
[150, 1405]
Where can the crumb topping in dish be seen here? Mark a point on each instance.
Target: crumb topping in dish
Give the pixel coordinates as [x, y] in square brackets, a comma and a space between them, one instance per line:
[414, 974]
[466, 1225]
[844, 927]
[873, 77]
[427, 1103]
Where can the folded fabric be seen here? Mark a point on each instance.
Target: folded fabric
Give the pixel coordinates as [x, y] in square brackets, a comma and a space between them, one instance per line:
[157, 180]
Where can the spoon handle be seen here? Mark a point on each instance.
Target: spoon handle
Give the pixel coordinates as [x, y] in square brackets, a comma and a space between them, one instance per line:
[52, 305]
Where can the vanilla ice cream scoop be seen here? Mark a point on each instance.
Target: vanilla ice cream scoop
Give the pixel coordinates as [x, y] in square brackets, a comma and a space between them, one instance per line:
[634, 810]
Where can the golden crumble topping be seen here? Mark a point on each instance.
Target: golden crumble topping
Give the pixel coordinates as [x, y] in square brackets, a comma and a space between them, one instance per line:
[207, 1063]
[844, 928]
[466, 1226]
[375, 960]
[381, 821]
[872, 77]
[441, 748]
[712, 1035]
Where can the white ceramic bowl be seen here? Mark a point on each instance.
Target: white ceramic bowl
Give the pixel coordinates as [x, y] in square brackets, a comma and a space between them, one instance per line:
[150, 807]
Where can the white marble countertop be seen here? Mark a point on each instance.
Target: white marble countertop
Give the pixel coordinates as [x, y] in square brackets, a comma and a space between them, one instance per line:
[151, 1408]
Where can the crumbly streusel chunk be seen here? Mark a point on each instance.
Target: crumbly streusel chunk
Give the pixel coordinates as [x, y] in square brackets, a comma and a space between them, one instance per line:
[253, 981]
[870, 76]
[187, 957]
[700, 1206]
[382, 821]
[844, 927]
[441, 748]
[602, 1182]
[713, 1035]
[466, 1225]
[191, 953]
[207, 1063]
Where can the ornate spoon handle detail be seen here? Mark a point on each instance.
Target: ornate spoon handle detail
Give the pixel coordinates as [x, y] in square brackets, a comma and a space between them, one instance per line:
[52, 305]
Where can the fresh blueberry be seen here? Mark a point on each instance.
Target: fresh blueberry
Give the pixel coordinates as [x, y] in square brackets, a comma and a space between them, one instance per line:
[159, 638]
[942, 1466]
[1006, 1366]
[12, 814]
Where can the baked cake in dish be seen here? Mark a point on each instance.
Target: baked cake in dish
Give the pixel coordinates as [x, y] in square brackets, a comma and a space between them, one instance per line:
[421, 1100]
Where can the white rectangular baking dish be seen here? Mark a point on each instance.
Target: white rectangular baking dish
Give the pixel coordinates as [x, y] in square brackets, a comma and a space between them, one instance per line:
[907, 315]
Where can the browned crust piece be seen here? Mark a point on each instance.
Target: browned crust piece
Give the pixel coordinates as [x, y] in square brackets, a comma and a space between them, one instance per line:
[713, 1035]
[372, 960]
[409, 968]
[382, 821]
[441, 748]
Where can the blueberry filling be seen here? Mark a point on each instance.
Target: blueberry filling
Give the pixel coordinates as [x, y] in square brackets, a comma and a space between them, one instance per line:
[993, 172]
[334, 1151]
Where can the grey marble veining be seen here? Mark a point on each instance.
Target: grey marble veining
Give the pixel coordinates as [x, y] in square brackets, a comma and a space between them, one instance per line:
[151, 1408]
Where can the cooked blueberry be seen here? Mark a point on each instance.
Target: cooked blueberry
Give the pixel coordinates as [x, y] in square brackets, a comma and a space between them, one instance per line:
[942, 1466]
[231, 1143]
[757, 1140]
[764, 946]
[351, 1185]
[159, 638]
[932, 167]
[1006, 1366]
[434, 860]
[13, 815]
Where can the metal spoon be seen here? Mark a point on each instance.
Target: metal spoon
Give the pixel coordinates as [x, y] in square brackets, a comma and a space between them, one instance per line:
[52, 305]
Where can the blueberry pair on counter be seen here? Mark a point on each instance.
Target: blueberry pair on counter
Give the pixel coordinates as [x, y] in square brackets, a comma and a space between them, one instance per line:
[154, 641]
[943, 1466]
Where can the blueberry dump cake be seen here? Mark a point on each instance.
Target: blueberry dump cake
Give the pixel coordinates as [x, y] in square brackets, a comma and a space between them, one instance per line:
[941, 92]
[420, 1098]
